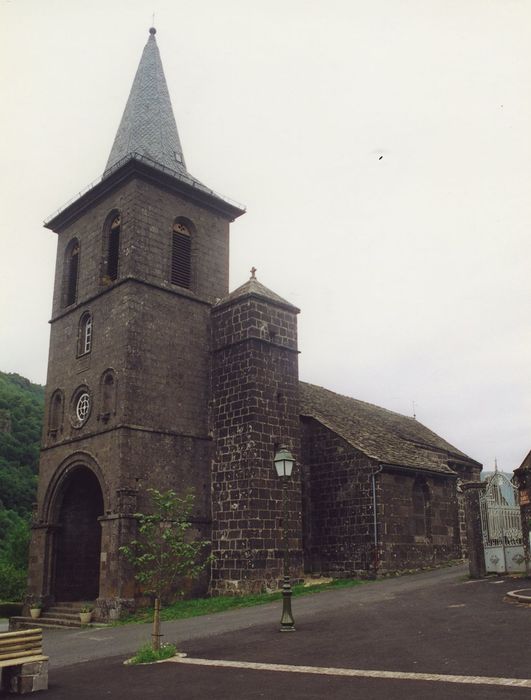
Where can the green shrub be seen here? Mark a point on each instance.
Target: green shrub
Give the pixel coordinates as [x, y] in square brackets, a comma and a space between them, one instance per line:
[12, 582]
[146, 655]
[10, 609]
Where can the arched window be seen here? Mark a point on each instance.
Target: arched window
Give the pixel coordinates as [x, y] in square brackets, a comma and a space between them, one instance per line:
[84, 342]
[421, 509]
[113, 246]
[71, 270]
[108, 395]
[181, 254]
[55, 417]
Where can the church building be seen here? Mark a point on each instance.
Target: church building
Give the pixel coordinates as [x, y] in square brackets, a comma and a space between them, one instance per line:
[158, 377]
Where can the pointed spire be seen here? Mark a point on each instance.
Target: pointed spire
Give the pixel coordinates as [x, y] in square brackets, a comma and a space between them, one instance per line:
[148, 126]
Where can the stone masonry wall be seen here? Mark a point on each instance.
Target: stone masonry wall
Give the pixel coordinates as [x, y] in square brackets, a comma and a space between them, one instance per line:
[254, 410]
[338, 511]
[403, 546]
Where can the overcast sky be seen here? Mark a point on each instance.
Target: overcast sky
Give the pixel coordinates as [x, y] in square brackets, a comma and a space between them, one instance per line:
[383, 152]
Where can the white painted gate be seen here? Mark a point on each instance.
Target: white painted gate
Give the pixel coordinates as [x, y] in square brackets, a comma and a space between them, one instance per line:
[501, 526]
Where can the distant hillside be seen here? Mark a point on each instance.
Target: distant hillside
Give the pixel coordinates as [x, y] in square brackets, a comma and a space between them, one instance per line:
[21, 414]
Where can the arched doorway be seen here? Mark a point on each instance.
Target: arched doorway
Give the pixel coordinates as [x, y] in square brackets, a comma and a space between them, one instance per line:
[78, 537]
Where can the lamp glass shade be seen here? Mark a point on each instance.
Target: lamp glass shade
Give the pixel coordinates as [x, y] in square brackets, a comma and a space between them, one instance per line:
[284, 462]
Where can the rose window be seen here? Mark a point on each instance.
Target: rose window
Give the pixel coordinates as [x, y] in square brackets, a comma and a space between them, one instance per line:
[83, 407]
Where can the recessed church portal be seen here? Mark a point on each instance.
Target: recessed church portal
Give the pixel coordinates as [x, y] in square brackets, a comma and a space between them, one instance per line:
[78, 543]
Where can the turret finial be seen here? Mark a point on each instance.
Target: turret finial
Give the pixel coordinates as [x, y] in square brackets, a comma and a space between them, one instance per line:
[152, 31]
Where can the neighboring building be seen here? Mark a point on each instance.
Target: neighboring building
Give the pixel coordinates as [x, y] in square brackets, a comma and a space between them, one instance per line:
[522, 478]
[158, 377]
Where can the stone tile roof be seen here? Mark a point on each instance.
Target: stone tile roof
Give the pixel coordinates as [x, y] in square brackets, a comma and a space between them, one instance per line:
[256, 289]
[148, 125]
[386, 436]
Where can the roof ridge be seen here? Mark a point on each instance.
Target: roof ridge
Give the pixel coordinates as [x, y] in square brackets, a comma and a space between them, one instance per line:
[366, 403]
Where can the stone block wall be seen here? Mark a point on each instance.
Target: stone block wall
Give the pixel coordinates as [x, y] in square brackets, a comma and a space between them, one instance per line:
[254, 410]
[338, 515]
[147, 215]
[404, 544]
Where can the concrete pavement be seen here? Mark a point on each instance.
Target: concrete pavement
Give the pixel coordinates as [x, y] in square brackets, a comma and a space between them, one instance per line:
[436, 622]
[66, 647]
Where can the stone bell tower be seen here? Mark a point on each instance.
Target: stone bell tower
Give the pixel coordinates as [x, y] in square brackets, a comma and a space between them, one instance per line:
[142, 257]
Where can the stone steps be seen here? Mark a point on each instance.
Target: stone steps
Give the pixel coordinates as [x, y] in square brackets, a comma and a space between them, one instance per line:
[21, 622]
[57, 616]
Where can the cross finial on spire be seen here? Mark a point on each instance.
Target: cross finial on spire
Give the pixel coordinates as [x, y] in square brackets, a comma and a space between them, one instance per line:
[253, 273]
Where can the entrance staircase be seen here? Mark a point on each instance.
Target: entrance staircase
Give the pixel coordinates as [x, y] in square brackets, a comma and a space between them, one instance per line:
[56, 616]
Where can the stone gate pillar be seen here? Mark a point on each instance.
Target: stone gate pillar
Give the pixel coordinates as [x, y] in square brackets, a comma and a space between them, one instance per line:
[476, 555]
[523, 480]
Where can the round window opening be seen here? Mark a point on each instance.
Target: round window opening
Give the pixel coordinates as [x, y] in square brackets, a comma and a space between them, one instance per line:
[83, 407]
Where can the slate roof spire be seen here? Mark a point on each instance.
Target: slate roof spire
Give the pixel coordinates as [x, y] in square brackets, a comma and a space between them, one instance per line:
[148, 126]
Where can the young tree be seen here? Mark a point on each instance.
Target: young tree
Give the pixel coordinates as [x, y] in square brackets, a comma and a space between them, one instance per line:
[163, 550]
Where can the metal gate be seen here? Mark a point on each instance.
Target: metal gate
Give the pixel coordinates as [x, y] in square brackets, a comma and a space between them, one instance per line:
[501, 526]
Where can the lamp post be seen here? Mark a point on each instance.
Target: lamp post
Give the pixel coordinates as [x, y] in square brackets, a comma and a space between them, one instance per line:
[284, 465]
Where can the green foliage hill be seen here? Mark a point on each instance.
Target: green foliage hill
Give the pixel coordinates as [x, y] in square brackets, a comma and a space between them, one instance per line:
[21, 414]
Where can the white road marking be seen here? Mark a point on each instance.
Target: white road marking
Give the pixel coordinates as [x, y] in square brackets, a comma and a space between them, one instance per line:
[486, 579]
[356, 673]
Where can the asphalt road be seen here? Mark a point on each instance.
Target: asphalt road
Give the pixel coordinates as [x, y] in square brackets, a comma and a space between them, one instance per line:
[436, 623]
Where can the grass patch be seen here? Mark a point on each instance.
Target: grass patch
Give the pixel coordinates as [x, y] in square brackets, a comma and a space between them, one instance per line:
[206, 606]
[146, 655]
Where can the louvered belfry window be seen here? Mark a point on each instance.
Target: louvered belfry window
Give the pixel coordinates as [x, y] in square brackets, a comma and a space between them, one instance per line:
[113, 252]
[181, 255]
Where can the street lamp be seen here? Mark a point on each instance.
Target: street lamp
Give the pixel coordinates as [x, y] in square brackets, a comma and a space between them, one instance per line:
[284, 462]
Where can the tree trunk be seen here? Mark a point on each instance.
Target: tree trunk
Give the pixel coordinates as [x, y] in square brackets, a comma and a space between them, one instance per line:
[156, 635]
